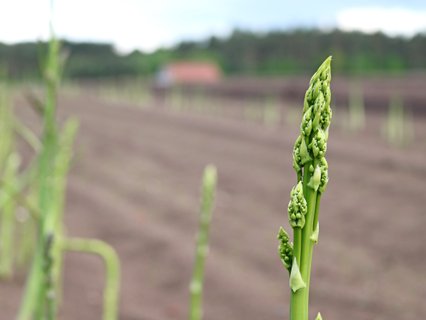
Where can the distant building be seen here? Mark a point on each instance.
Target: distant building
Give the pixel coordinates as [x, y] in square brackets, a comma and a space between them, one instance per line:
[188, 72]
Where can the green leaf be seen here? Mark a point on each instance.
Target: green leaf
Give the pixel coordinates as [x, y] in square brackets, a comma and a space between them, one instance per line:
[318, 317]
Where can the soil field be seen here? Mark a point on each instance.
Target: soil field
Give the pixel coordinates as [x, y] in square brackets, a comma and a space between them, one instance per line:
[135, 184]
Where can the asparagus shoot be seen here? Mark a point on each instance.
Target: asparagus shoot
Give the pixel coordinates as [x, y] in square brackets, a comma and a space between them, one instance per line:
[312, 177]
[207, 202]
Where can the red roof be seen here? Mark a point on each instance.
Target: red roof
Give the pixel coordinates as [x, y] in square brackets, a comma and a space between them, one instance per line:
[193, 72]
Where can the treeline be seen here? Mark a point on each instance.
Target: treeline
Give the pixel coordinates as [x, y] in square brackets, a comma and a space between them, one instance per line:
[243, 53]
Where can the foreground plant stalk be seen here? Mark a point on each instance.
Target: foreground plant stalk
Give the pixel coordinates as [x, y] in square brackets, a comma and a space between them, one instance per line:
[112, 270]
[312, 177]
[207, 202]
[34, 300]
[7, 219]
[42, 294]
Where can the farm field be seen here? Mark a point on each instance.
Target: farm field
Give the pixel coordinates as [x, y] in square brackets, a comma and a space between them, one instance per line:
[135, 184]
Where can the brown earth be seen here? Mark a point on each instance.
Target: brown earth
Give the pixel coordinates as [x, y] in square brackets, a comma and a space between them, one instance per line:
[135, 184]
[377, 90]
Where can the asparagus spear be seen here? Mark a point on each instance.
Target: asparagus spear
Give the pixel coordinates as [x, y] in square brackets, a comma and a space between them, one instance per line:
[312, 177]
[206, 210]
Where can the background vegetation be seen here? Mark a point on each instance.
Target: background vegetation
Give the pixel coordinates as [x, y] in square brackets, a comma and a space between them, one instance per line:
[241, 53]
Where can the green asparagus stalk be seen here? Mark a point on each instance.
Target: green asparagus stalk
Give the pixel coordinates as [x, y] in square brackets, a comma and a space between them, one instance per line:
[397, 128]
[7, 221]
[8, 172]
[13, 188]
[356, 109]
[6, 128]
[26, 235]
[112, 270]
[207, 202]
[33, 304]
[271, 112]
[54, 229]
[312, 177]
[43, 288]
[61, 168]
[21, 190]
[49, 280]
[21, 213]
[27, 135]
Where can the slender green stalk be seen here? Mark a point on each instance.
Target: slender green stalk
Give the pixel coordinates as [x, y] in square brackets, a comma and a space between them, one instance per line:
[112, 270]
[7, 223]
[33, 304]
[55, 228]
[62, 164]
[27, 135]
[8, 173]
[13, 186]
[6, 128]
[271, 112]
[207, 202]
[43, 290]
[27, 236]
[307, 245]
[312, 175]
[48, 262]
[34, 280]
[397, 128]
[356, 109]
[12, 196]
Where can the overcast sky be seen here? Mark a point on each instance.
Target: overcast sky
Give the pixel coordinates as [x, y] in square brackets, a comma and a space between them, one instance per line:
[149, 24]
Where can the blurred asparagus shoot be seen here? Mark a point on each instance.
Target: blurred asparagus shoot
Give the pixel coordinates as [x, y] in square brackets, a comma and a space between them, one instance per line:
[13, 185]
[206, 210]
[398, 129]
[9, 163]
[356, 108]
[43, 288]
[271, 112]
[112, 270]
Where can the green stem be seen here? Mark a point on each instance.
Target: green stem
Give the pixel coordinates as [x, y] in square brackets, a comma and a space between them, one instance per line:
[300, 298]
[207, 202]
[297, 251]
[296, 299]
[307, 232]
[6, 239]
[31, 293]
[33, 304]
[27, 238]
[62, 164]
[50, 299]
[312, 243]
[8, 209]
[112, 270]
[317, 206]
[28, 136]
